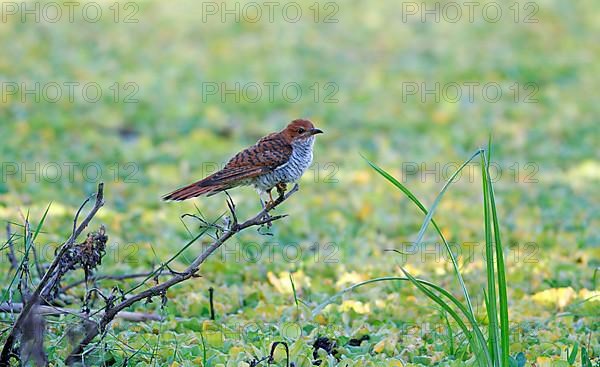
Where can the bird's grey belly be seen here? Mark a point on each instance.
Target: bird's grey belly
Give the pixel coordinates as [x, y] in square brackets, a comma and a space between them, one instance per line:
[289, 172]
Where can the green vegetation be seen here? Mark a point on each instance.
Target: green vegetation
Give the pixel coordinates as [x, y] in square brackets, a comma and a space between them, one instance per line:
[485, 356]
[521, 286]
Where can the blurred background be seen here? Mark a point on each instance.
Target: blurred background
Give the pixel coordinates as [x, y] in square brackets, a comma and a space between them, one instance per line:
[151, 95]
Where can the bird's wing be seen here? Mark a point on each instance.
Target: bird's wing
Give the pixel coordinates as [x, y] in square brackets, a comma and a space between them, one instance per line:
[266, 155]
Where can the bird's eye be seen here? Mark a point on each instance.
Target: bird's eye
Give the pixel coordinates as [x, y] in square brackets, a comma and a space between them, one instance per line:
[301, 130]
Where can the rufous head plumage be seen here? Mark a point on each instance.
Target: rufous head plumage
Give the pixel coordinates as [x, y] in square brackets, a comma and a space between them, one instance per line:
[300, 129]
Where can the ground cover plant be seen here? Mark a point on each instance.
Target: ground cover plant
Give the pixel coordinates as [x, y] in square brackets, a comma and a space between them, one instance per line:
[323, 279]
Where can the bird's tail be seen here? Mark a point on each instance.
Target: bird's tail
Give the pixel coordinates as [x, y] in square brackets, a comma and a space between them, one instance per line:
[196, 189]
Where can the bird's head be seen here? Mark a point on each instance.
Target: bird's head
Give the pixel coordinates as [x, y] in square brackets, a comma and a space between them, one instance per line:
[300, 130]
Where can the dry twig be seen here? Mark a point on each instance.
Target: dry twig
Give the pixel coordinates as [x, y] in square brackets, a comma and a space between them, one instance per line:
[111, 311]
[95, 278]
[34, 299]
[57, 311]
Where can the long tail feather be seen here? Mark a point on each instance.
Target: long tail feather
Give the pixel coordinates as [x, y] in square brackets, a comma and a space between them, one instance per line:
[194, 190]
[223, 180]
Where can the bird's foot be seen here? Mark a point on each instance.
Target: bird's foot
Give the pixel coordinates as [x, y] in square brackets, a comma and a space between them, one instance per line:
[281, 188]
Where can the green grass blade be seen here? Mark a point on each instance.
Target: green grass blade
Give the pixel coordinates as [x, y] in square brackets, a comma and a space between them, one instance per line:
[434, 297]
[416, 201]
[585, 359]
[41, 223]
[491, 276]
[28, 243]
[439, 197]
[203, 349]
[450, 335]
[502, 289]
[572, 355]
[294, 291]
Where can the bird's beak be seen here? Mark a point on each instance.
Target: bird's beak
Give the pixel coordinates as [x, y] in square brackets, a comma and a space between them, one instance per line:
[315, 131]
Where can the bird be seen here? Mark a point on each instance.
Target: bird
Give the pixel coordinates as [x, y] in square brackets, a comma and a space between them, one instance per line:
[274, 161]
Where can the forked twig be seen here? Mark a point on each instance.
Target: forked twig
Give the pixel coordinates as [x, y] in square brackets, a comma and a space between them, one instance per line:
[111, 312]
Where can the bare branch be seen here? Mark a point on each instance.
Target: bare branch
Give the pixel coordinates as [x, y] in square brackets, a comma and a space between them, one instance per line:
[38, 266]
[95, 278]
[56, 311]
[231, 206]
[190, 272]
[14, 263]
[7, 350]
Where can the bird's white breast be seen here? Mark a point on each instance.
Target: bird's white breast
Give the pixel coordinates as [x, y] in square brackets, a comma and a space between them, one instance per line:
[300, 159]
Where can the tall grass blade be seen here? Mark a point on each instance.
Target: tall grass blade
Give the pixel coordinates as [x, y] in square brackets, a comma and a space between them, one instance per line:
[416, 201]
[470, 335]
[41, 223]
[439, 197]
[29, 241]
[502, 293]
[492, 312]
[497, 353]
[450, 335]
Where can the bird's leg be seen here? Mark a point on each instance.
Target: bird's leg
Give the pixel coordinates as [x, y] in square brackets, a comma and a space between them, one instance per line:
[280, 191]
[281, 188]
[270, 202]
[264, 205]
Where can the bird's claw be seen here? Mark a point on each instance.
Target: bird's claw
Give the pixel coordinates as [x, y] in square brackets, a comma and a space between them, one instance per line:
[271, 203]
[281, 188]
